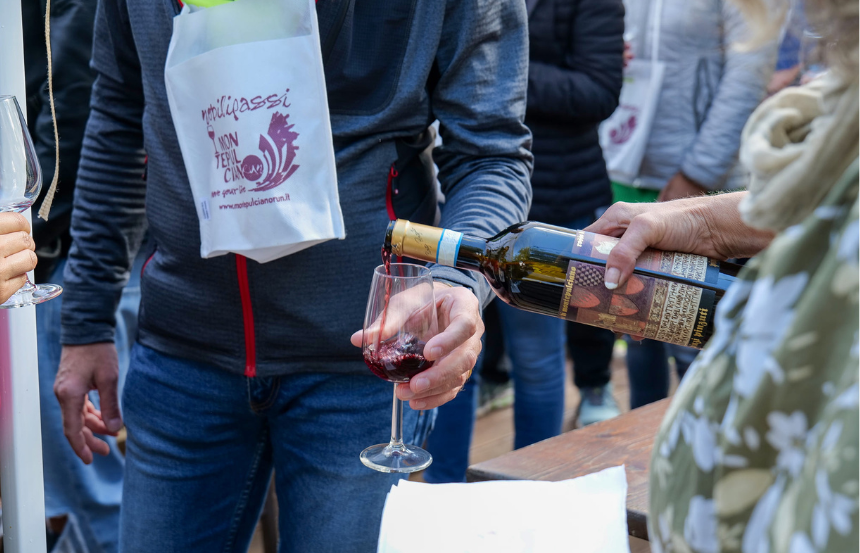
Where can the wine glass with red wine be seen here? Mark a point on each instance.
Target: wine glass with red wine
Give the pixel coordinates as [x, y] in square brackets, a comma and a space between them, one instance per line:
[400, 319]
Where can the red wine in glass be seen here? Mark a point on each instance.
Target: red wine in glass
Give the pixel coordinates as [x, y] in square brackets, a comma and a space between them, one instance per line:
[398, 359]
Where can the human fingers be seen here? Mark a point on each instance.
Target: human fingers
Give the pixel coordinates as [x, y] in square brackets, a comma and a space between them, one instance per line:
[93, 420]
[615, 220]
[17, 265]
[459, 314]
[106, 379]
[14, 242]
[96, 445]
[644, 231]
[444, 380]
[13, 222]
[71, 397]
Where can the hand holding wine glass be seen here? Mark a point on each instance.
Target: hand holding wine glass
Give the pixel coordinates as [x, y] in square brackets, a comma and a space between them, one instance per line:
[17, 255]
[20, 182]
[453, 351]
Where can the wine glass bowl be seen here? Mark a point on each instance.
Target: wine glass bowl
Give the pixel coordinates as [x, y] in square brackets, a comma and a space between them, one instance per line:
[400, 319]
[20, 183]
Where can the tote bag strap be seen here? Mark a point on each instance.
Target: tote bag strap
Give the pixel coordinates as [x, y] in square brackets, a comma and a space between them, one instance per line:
[656, 25]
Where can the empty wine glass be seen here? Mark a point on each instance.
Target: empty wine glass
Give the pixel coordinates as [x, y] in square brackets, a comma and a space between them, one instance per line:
[400, 319]
[20, 182]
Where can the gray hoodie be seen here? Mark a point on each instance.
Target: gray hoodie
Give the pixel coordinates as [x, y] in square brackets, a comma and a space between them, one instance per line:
[392, 67]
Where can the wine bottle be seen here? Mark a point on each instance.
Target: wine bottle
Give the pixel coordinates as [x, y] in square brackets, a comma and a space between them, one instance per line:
[554, 271]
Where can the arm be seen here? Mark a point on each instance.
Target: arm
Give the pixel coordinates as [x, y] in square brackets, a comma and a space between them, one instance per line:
[108, 221]
[587, 89]
[708, 225]
[480, 99]
[484, 168]
[741, 89]
[108, 224]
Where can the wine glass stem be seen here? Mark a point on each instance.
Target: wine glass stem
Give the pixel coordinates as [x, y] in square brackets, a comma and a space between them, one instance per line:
[396, 422]
[27, 286]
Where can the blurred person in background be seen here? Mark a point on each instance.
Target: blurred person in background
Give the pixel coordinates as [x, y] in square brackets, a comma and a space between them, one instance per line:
[575, 65]
[758, 451]
[82, 502]
[709, 89]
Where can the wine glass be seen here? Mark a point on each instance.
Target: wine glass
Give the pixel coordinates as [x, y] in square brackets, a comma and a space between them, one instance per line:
[20, 182]
[400, 319]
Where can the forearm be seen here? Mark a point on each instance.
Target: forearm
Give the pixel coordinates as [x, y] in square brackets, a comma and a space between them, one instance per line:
[108, 218]
[724, 229]
[480, 100]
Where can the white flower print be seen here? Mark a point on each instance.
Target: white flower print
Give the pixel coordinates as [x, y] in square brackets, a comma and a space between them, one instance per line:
[751, 438]
[767, 317]
[832, 510]
[787, 434]
[800, 544]
[849, 246]
[756, 538]
[700, 527]
[849, 398]
[704, 443]
[724, 325]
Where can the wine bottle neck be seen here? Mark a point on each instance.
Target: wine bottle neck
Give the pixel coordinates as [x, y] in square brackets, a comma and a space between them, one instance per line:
[435, 245]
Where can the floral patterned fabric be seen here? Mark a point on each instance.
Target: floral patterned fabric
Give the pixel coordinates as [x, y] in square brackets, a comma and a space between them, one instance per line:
[759, 450]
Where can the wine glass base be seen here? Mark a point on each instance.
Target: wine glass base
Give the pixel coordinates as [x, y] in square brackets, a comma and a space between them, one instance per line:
[404, 459]
[37, 294]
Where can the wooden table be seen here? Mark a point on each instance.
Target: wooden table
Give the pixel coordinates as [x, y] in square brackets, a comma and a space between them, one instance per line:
[626, 439]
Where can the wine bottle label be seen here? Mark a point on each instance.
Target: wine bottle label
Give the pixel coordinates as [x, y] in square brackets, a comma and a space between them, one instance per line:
[644, 306]
[448, 247]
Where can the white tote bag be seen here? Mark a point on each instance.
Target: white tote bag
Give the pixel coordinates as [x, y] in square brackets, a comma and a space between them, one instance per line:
[247, 94]
[624, 136]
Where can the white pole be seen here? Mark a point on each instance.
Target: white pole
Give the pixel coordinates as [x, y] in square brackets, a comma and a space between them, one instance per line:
[20, 424]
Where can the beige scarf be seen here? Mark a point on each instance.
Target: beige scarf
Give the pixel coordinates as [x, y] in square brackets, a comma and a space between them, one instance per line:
[796, 145]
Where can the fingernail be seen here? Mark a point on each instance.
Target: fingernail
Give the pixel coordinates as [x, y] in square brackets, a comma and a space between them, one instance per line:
[436, 353]
[611, 278]
[417, 405]
[420, 384]
[114, 425]
[403, 392]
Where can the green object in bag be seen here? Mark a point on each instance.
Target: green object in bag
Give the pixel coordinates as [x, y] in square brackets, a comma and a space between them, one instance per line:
[633, 195]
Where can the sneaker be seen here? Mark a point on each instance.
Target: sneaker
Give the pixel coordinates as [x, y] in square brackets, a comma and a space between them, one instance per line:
[493, 396]
[597, 404]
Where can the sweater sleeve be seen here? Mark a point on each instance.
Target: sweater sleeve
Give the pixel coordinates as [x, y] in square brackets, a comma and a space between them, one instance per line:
[586, 90]
[480, 101]
[108, 219]
[742, 87]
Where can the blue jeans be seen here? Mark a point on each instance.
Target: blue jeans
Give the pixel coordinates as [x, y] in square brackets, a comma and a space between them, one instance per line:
[202, 444]
[648, 369]
[90, 493]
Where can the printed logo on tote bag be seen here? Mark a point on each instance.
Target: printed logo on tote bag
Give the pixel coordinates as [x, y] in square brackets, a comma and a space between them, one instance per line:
[277, 147]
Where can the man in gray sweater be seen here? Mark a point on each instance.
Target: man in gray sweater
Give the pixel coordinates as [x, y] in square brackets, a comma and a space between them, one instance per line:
[241, 368]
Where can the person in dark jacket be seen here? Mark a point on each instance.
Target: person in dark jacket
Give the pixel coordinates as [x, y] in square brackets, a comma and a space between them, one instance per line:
[82, 502]
[575, 75]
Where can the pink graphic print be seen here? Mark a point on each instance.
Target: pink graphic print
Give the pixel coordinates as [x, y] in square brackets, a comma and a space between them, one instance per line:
[279, 151]
[623, 133]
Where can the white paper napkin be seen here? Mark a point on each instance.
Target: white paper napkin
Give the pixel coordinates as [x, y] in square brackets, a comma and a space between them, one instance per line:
[585, 515]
